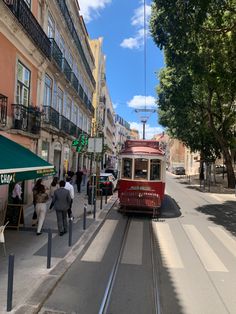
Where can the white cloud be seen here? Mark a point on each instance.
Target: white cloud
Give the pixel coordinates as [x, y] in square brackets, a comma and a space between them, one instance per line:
[90, 9]
[149, 131]
[140, 101]
[137, 21]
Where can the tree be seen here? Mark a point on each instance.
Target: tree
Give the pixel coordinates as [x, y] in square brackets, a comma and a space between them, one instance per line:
[199, 40]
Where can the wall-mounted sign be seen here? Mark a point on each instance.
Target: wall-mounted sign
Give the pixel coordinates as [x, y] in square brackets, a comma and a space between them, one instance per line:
[7, 178]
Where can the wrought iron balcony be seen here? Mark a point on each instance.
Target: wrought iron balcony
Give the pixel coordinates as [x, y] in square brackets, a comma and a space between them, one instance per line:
[51, 117]
[56, 53]
[81, 93]
[66, 69]
[90, 107]
[3, 110]
[27, 119]
[75, 82]
[66, 15]
[73, 129]
[102, 99]
[64, 125]
[31, 26]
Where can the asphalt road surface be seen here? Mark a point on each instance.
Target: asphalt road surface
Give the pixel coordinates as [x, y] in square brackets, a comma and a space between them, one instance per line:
[192, 264]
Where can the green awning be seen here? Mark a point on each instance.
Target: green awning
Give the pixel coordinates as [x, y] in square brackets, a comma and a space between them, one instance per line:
[18, 163]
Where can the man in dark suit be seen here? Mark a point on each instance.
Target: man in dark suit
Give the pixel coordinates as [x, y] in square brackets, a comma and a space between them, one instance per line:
[61, 202]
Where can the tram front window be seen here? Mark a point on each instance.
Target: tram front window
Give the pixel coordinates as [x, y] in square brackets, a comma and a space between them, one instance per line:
[155, 169]
[127, 168]
[140, 169]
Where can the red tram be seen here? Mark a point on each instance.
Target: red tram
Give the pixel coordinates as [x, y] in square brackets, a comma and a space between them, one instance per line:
[141, 183]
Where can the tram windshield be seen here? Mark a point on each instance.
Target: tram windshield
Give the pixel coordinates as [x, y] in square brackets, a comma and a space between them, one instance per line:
[155, 169]
[141, 169]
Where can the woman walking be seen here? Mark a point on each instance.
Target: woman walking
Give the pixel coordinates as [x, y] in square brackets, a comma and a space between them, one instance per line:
[41, 207]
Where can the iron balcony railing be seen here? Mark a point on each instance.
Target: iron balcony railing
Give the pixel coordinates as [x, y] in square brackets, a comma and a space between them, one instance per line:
[64, 125]
[90, 107]
[66, 14]
[74, 82]
[66, 69]
[31, 26]
[51, 117]
[102, 99]
[81, 93]
[56, 53]
[26, 119]
[73, 129]
[3, 110]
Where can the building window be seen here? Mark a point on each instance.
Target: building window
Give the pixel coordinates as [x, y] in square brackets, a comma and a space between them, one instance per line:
[74, 114]
[62, 45]
[23, 85]
[51, 27]
[60, 96]
[81, 120]
[45, 150]
[48, 91]
[68, 108]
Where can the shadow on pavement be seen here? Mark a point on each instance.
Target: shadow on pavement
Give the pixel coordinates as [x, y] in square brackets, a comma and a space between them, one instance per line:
[223, 215]
[169, 208]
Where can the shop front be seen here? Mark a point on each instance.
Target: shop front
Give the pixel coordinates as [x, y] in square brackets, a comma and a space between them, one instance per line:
[18, 164]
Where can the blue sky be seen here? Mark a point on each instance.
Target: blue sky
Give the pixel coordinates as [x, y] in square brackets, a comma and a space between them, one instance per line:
[121, 24]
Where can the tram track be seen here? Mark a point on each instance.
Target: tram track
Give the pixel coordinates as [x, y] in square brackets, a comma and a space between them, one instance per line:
[104, 307]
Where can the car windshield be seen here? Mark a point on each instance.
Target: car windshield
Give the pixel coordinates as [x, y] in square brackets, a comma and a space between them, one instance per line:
[103, 178]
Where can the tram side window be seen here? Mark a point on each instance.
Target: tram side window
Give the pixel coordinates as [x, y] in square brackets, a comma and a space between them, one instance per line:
[141, 169]
[127, 168]
[155, 169]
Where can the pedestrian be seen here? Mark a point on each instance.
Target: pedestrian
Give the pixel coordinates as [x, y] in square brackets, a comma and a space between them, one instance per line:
[61, 202]
[70, 174]
[79, 176]
[35, 191]
[41, 198]
[53, 186]
[16, 193]
[70, 188]
[84, 175]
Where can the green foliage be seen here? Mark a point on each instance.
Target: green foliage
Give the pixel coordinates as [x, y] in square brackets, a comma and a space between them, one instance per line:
[197, 90]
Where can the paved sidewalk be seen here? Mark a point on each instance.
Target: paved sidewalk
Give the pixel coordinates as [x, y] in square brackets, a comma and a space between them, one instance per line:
[32, 280]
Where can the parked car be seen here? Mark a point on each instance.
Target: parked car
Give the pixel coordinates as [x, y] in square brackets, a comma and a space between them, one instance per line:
[179, 170]
[107, 183]
[221, 169]
[112, 171]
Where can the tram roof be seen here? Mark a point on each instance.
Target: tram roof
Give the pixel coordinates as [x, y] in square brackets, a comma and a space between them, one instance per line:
[142, 147]
[142, 150]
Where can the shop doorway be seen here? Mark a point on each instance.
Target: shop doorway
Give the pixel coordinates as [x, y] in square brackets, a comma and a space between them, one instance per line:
[57, 162]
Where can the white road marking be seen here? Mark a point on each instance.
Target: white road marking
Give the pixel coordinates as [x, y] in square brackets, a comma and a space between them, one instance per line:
[134, 244]
[169, 251]
[99, 245]
[225, 238]
[208, 257]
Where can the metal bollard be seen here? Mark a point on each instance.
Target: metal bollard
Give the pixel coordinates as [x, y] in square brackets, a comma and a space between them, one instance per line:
[49, 249]
[101, 195]
[10, 282]
[94, 208]
[85, 213]
[106, 197]
[70, 232]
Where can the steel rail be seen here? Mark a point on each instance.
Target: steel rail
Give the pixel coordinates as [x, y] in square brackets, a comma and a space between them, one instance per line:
[106, 298]
[156, 293]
